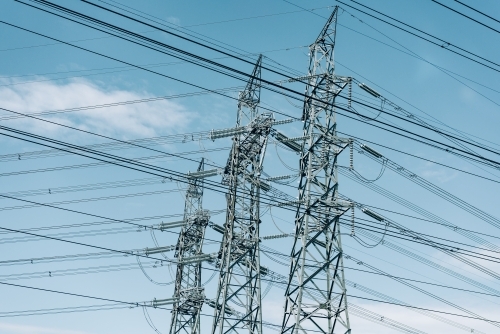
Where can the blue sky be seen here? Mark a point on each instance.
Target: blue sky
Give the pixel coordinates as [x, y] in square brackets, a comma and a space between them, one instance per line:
[40, 75]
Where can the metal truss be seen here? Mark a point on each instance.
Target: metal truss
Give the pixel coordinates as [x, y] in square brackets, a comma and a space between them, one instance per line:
[249, 98]
[189, 294]
[238, 301]
[315, 297]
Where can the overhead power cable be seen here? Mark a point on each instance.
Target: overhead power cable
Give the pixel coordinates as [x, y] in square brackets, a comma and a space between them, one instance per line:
[488, 161]
[91, 246]
[64, 310]
[477, 11]
[382, 320]
[74, 13]
[130, 64]
[424, 282]
[390, 229]
[80, 15]
[121, 32]
[93, 199]
[77, 295]
[101, 164]
[432, 221]
[78, 234]
[426, 313]
[116, 104]
[415, 208]
[126, 163]
[59, 258]
[78, 271]
[428, 115]
[106, 222]
[419, 238]
[130, 304]
[182, 52]
[131, 164]
[87, 187]
[418, 157]
[458, 138]
[281, 282]
[407, 52]
[466, 206]
[440, 42]
[458, 307]
[98, 255]
[205, 38]
[419, 123]
[493, 322]
[424, 260]
[466, 16]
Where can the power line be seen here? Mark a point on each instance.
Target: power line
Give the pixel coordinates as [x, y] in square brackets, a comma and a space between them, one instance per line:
[432, 221]
[37, 136]
[408, 52]
[426, 309]
[421, 158]
[267, 82]
[74, 294]
[415, 55]
[426, 242]
[477, 11]
[84, 245]
[108, 26]
[164, 45]
[466, 16]
[129, 32]
[444, 44]
[423, 282]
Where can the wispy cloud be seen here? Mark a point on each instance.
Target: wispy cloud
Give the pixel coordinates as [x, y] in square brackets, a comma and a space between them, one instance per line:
[125, 121]
[442, 176]
[433, 173]
[174, 20]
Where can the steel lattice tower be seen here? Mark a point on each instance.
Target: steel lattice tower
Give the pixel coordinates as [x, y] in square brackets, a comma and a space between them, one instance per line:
[315, 296]
[238, 300]
[189, 293]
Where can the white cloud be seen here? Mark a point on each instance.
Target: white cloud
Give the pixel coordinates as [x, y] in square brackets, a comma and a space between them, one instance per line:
[7, 328]
[174, 20]
[467, 94]
[441, 175]
[126, 121]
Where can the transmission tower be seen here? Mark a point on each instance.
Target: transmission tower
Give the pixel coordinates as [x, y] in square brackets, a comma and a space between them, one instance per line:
[315, 297]
[189, 294]
[238, 301]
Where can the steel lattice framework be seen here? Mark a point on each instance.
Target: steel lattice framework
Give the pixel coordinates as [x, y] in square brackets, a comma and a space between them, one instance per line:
[238, 301]
[189, 293]
[316, 255]
[249, 99]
